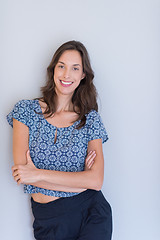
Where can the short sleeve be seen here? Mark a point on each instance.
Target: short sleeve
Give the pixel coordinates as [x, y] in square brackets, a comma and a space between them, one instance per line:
[96, 127]
[20, 112]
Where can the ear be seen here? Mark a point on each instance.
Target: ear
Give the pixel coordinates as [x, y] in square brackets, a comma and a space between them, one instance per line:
[83, 76]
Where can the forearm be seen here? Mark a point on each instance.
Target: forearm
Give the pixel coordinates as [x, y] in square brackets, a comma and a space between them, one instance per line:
[29, 174]
[83, 180]
[56, 187]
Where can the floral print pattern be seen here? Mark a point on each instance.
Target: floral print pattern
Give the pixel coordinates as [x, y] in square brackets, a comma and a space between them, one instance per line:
[69, 151]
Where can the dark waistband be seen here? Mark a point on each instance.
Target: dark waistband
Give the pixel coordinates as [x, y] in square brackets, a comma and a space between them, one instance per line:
[62, 205]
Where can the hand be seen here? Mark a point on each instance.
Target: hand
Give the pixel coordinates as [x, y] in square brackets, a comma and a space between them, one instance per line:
[89, 161]
[25, 174]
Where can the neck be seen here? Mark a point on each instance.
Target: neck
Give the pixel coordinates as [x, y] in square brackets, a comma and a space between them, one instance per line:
[63, 103]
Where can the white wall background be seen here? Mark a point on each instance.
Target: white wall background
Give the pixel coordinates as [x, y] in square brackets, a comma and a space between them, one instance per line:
[122, 38]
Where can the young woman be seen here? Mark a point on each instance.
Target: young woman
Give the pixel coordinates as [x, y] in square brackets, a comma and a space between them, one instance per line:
[57, 151]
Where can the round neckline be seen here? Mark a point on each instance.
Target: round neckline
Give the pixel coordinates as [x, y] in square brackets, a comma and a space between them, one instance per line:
[76, 122]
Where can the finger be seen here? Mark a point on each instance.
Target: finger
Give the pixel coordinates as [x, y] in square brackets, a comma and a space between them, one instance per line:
[16, 178]
[90, 154]
[28, 152]
[28, 156]
[15, 173]
[90, 157]
[91, 164]
[19, 181]
[91, 161]
[29, 159]
[14, 168]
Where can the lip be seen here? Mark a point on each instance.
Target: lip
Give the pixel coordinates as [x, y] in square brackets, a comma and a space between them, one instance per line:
[66, 85]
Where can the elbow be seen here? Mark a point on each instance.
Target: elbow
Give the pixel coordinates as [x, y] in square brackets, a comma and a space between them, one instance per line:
[98, 183]
[95, 180]
[98, 187]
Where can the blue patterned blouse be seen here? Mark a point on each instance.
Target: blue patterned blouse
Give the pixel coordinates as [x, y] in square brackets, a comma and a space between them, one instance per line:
[69, 151]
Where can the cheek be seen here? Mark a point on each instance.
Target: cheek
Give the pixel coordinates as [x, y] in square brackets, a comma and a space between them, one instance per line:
[78, 76]
[78, 82]
[57, 74]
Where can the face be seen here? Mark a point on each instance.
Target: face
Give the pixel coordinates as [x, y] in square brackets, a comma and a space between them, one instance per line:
[68, 72]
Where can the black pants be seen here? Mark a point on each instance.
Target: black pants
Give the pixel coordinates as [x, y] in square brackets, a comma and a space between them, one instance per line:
[86, 216]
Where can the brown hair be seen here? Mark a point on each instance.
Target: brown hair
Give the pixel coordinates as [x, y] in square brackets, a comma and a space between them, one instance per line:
[85, 95]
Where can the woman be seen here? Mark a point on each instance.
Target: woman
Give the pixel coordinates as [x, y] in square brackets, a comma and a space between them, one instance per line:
[57, 151]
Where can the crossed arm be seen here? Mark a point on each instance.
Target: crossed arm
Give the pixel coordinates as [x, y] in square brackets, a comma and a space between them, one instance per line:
[25, 172]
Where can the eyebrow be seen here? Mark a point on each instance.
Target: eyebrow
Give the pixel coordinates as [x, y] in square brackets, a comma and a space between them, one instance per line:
[76, 64]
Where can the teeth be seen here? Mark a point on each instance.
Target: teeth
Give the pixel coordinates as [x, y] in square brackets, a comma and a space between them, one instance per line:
[66, 83]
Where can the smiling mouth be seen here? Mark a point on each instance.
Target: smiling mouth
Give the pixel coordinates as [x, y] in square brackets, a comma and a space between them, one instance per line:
[66, 84]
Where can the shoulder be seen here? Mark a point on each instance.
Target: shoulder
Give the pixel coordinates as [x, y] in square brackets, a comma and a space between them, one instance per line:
[25, 107]
[21, 111]
[27, 104]
[23, 103]
[93, 115]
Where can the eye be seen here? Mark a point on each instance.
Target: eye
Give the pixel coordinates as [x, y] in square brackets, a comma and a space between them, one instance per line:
[75, 69]
[61, 66]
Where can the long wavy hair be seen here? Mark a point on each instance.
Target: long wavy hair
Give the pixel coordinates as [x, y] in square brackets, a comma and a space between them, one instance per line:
[85, 95]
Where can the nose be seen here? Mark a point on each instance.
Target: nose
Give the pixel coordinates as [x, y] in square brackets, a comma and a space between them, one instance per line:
[66, 73]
